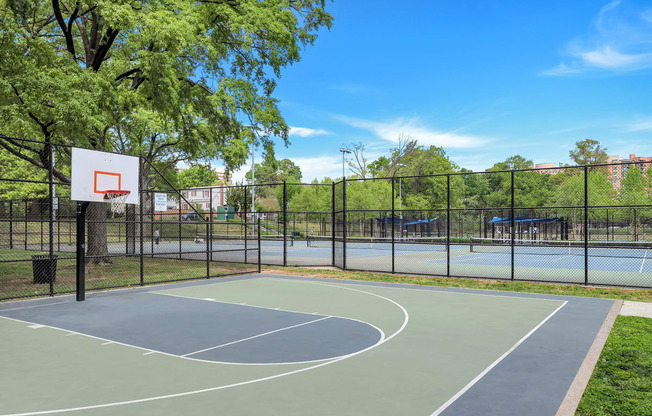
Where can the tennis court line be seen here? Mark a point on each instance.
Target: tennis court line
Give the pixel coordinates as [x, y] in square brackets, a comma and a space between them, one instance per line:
[643, 264]
[255, 336]
[494, 364]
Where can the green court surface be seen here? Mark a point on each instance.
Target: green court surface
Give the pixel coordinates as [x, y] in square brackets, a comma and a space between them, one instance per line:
[434, 351]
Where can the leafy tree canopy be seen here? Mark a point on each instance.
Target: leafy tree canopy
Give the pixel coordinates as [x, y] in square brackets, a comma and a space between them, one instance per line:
[176, 80]
[197, 175]
[588, 152]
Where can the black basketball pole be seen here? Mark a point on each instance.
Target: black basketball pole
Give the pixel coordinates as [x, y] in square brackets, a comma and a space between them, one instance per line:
[81, 250]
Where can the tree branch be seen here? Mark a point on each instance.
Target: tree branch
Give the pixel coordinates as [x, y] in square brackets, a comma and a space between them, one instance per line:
[62, 24]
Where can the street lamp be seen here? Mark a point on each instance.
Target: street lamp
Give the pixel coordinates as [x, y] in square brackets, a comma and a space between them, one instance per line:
[400, 196]
[343, 150]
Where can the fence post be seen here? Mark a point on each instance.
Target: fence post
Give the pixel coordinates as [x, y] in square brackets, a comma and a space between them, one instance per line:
[285, 224]
[333, 225]
[208, 230]
[141, 203]
[448, 225]
[343, 223]
[50, 150]
[513, 225]
[180, 224]
[393, 218]
[259, 248]
[11, 224]
[586, 225]
[246, 219]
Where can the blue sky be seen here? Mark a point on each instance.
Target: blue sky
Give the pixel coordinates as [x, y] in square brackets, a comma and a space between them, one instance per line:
[485, 80]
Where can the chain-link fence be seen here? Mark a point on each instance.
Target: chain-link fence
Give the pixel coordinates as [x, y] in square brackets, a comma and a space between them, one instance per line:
[39, 231]
[570, 225]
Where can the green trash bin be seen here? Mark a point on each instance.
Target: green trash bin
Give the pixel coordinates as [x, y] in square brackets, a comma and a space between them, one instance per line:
[44, 269]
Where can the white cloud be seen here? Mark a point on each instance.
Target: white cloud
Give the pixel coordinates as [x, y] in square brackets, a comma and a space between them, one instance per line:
[609, 58]
[318, 167]
[307, 132]
[391, 131]
[641, 125]
[561, 69]
[620, 40]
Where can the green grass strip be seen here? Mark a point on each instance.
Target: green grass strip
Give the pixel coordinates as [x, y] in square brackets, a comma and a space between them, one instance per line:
[640, 295]
[621, 383]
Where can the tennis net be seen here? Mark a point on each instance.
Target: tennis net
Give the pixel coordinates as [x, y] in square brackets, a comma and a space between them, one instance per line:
[384, 243]
[620, 249]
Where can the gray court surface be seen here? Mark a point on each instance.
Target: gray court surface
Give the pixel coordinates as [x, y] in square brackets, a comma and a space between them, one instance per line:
[280, 345]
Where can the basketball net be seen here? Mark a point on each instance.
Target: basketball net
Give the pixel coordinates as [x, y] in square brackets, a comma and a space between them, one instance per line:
[118, 200]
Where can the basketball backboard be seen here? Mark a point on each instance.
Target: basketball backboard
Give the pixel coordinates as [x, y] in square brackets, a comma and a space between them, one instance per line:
[95, 172]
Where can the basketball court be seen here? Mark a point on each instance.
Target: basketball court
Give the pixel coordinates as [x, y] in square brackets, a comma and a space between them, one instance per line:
[279, 345]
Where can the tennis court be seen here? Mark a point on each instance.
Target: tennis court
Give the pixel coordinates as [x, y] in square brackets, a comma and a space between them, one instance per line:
[277, 345]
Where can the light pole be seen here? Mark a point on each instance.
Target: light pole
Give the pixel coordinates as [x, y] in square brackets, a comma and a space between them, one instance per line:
[400, 196]
[343, 150]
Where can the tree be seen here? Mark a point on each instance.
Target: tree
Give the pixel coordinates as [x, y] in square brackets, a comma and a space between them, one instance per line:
[197, 175]
[422, 190]
[274, 171]
[13, 168]
[359, 163]
[633, 191]
[588, 152]
[172, 81]
[531, 188]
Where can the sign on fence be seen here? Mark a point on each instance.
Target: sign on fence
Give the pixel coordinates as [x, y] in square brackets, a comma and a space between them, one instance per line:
[160, 202]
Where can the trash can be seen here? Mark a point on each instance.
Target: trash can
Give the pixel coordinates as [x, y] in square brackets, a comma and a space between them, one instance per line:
[44, 268]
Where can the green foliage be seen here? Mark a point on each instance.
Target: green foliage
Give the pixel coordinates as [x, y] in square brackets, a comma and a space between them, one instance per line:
[235, 197]
[313, 198]
[14, 168]
[370, 194]
[633, 190]
[275, 171]
[197, 175]
[173, 81]
[588, 152]
[571, 191]
[425, 192]
[531, 188]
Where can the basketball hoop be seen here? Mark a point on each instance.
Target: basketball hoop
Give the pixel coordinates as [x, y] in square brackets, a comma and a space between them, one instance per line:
[118, 199]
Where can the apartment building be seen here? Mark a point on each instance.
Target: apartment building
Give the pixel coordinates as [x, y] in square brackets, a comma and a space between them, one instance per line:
[615, 173]
[621, 165]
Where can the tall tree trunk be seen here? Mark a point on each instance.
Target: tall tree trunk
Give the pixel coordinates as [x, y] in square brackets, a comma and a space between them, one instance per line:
[98, 250]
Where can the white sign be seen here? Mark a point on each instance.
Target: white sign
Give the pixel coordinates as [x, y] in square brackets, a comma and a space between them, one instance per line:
[160, 202]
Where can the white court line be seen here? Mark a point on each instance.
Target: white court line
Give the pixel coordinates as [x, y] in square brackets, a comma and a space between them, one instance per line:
[566, 256]
[34, 306]
[495, 363]
[643, 264]
[188, 393]
[255, 336]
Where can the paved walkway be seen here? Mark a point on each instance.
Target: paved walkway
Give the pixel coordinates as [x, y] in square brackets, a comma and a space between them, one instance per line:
[637, 309]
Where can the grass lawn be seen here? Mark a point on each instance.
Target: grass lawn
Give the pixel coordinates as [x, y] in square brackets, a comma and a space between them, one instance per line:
[621, 383]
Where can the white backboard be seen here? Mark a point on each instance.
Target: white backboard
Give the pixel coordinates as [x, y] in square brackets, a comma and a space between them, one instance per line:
[94, 172]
